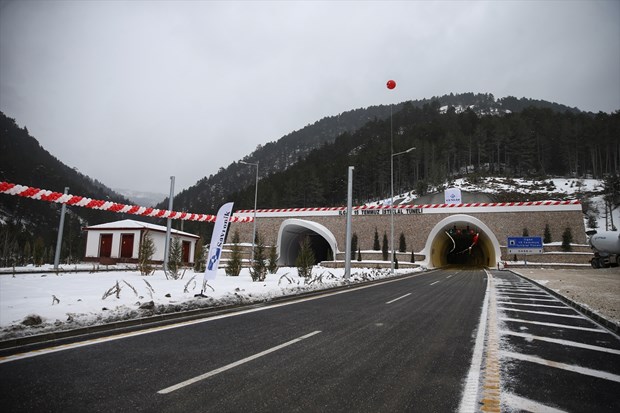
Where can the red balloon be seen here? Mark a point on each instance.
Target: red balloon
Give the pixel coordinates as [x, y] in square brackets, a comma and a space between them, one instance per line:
[391, 84]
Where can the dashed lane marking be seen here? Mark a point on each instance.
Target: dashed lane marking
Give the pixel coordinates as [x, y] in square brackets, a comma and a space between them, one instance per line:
[561, 342]
[434, 283]
[569, 367]
[396, 299]
[235, 364]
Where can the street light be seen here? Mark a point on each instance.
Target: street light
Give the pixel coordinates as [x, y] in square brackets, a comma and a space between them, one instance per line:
[392, 203]
[255, 198]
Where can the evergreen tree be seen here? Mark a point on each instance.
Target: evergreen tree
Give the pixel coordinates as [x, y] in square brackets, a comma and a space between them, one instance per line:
[353, 245]
[174, 258]
[526, 233]
[199, 257]
[402, 243]
[38, 251]
[258, 272]
[27, 257]
[272, 265]
[234, 264]
[145, 254]
[395, 262]
[567, 239]
[384, 247]
[359, 255]
[305, 259]
[412, 256]
[375, 245]
[547, 236]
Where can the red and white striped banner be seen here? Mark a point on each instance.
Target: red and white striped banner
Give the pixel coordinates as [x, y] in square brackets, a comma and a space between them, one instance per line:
[422, 206]
[75, 200]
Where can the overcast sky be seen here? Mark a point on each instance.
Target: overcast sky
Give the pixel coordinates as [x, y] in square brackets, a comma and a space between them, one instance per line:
[131, 93]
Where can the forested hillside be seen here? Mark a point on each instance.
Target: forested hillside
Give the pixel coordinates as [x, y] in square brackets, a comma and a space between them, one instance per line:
[30, 225]
[449, 142]
[274, 157]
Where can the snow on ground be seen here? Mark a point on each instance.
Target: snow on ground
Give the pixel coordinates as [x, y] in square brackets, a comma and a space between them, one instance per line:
[70, 300]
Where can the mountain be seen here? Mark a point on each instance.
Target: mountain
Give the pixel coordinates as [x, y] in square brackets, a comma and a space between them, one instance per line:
[146, 199]
[454, 135]
[26, 221]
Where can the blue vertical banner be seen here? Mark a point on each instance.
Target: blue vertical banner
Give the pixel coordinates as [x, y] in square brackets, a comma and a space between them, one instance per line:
[217, 240]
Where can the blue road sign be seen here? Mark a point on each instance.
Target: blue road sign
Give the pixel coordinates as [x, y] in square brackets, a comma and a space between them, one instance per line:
[525, 245]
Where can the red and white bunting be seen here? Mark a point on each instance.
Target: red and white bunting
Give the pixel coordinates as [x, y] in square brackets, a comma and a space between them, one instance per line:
[76, 200]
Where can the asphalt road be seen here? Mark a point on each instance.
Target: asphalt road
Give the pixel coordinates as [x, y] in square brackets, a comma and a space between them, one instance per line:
[402, 346]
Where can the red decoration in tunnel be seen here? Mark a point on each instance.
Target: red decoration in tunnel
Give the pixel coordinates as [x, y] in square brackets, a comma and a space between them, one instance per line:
[391, 84]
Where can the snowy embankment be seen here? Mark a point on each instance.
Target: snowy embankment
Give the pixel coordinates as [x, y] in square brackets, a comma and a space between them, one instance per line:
[45, 302]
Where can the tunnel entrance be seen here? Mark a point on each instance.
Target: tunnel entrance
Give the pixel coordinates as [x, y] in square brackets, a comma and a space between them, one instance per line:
[462, 240]
[291, 234]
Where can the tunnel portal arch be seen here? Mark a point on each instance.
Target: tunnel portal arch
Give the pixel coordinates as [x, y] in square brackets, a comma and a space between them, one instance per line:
[292, 231]
[442, 249]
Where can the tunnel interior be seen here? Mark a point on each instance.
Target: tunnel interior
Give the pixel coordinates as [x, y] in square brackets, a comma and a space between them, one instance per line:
[463, 243]
[290, 240]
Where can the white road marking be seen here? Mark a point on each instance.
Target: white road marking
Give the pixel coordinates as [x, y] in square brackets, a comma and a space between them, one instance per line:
[598, 330]
[469, 400]
[541, 297]
[522, 404]
[232, 365]
[518, 310]
[434, 283]
[568, 367]
[561, 342]
[532, 305]
[396, 299]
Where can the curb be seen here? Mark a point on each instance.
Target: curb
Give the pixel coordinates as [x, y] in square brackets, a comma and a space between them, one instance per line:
[608, 324]
[38, 341]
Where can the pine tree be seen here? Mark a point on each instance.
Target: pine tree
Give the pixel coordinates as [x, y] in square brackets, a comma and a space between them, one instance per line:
[353, 245]
[526, 233]
[567, 239]
[258, 272]
[174, 258]
[27, 259]
[412, 256]
[384, 247]
[305, 259]
[233, 267]
[402, 243]
[359, 255]
[145, 254]
[272, 265]
[199, 256]
[375, 245]
[547, 235]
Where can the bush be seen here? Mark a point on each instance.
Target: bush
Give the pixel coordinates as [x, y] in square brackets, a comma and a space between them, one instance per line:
[384, 247]
[567, 239]
[272, 265]
[305, 259]
[547, 235]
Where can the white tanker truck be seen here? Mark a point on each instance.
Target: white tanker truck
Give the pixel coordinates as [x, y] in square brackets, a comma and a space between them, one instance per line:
[606, 246]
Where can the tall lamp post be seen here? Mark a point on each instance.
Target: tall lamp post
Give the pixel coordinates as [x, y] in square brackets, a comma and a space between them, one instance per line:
[392, 202]
[255, 198]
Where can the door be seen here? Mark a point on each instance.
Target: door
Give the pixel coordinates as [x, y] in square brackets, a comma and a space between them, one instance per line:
[105, 245]
[186, 245]
[126, 245]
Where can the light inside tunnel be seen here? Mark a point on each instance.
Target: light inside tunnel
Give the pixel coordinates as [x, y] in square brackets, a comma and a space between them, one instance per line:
[462, 240]
[291, 234]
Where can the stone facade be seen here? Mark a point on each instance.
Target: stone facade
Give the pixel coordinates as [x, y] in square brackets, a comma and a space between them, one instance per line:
[417, 227]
